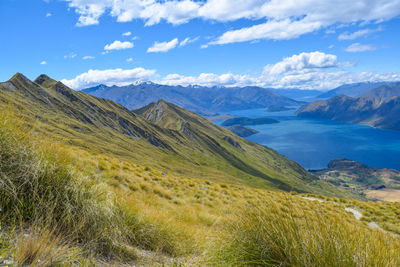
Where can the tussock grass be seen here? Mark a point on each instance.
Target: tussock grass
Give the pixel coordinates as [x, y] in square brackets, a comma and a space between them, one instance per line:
[297, 233]
[88, 204]
[42, 247]
[40, 187]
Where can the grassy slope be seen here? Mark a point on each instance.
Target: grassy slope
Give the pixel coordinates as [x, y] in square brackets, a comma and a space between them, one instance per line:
[86, 121]
[183, 221]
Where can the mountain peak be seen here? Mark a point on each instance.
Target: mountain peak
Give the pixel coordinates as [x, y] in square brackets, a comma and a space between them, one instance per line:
[44, 80]
[19, 77]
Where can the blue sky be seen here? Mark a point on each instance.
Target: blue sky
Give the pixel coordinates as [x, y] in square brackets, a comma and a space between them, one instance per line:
[274, 43]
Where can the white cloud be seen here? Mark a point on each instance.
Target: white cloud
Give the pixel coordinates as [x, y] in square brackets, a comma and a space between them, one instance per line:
[87, 57]
[313, 60]
[127, 34]
[109, 77]
[70, 55]
[314, 70]
[118, 45]
[276, 30]
[357, 34]
[43, 63]
[188, 41]
[357, 47]
[163, 46]
[284, 19]
[129, 59]
[48, 15]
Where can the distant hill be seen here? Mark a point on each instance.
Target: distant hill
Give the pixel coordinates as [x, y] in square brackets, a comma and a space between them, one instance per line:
[352, 174]
[298, 94]
[241, 131]
[384, 91]
[248, 121]
[376, 112]
[204, 100]
[353, 90]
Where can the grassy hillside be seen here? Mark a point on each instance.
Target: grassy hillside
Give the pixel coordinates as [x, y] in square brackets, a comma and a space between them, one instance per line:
[184, 143]
[79, 197]
[62, 204]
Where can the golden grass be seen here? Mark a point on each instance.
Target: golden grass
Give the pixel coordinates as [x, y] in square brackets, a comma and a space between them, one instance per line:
[112, 208]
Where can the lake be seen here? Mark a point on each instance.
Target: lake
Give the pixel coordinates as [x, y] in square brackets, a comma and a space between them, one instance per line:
[314, 142]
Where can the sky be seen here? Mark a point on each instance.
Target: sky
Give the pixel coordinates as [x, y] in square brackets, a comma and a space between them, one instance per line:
[304, 44]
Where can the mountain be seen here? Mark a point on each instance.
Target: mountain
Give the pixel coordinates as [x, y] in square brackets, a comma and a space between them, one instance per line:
[204, 100]
[352, 174]
[161, 135]
[298, 94]
[376, 112]
[384, 91]
[353, 89]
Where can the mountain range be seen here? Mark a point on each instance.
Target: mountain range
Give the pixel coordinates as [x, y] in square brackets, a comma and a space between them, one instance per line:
[160, 135]
[353, 89]
[384, 91]
[200, 99]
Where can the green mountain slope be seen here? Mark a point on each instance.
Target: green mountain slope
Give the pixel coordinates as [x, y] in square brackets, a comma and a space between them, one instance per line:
[163, 136]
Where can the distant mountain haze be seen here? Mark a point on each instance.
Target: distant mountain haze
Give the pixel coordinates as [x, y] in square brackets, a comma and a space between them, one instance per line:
[353, 89]
[384, 91]
[204, 100]
[377, 112]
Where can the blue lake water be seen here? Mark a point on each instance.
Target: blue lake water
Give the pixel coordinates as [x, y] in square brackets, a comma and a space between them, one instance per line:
[313, 142]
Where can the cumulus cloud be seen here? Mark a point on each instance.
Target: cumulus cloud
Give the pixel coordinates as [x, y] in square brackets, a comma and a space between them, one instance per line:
[163, 46]
[357, 47]
[87, 57]
[313, 60]
[109, 77]
[129, 59]
[43, 63]
[284, 19]
[118, 45]
[314, 70]
[357, 34]
[127, 34]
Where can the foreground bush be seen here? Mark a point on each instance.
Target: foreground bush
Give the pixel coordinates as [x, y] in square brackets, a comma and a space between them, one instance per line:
[300, 233]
